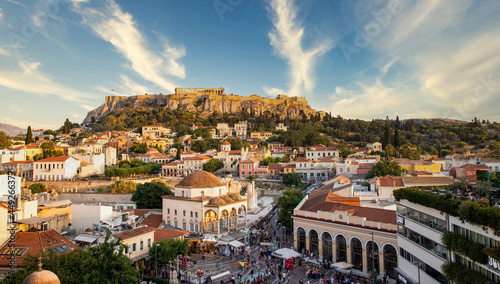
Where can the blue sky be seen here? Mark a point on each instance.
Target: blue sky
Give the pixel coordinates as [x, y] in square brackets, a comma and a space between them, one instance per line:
[358, 59]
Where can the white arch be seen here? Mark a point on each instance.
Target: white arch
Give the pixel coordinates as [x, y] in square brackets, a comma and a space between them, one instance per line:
[369, 240]
[297, 230]
[355, 237]
[312, 229]
[389, 244]
[322, 232]
[339, 234]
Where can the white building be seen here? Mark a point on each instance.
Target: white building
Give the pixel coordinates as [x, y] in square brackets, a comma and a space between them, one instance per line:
[458, 160]
[11, 155]
[422, 250]
[204, 204]
[492, 164]
[55, 168]
[281, 126]
[110, 156]
[85, 216]
[316, 153]
[93, 163]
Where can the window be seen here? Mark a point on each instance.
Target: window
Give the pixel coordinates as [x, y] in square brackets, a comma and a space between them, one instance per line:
[249, 167]
[191, 227]
[149, 242]
[191, 214]
[175, 212]
[196, 214]
[184, 213]
[168, 210]
[242, 167]
[126, 249]
[134, 247]
[141, 246]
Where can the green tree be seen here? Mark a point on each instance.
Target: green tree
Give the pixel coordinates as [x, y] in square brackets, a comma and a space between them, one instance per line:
[149, 195]
[67, 126]
[387, 136]
[462, 144]
[5, 140]
[29, 136]
[136, 163]
[48, 150]
[166, 251]
[397, 139]
[290, 199]
[122, 187]
[37, 157]
[105, 263]
[37, 188]
[267, 161]
[383, 168]
[292, 179]
[213, 165]
[137, 147]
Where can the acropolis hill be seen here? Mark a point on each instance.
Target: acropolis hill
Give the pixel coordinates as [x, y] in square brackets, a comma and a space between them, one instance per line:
[207, 101]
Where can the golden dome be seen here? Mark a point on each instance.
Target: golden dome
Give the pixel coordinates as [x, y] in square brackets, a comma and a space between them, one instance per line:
[200, 179]
[217, 201]
[41, 276]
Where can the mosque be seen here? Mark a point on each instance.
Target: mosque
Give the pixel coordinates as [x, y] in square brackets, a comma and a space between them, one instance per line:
[202, 203]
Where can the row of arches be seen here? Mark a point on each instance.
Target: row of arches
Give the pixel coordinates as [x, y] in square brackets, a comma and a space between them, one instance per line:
[349, 251]
[226, 220]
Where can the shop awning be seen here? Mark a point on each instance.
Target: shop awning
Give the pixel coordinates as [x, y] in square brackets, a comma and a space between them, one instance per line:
[343, 265]
[285, 253]
[86, 238]
[236, 244]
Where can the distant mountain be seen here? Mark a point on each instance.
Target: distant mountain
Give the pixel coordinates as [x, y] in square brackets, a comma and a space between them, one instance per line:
[11, 129]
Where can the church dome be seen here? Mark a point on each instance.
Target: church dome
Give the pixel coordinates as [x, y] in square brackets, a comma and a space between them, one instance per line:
[217, 201]
[200, 179]
[41, 277]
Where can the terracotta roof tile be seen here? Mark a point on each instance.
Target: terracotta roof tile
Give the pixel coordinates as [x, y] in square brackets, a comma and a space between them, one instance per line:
[133, 233]
[165, 234]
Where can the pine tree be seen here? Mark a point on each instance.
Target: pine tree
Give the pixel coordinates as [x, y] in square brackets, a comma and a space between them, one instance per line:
[398, 124]
[67, 127]
[29, 136]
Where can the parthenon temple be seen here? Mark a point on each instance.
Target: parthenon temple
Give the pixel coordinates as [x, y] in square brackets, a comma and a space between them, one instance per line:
[199, 91]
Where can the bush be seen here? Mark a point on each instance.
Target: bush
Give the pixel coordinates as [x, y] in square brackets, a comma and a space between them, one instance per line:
[428, 199]
[460, 244]
[37, 188]
[461, 274]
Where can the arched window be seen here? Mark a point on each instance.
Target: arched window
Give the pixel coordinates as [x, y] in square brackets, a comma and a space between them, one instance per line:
[327, 246]
[341, 243]
[313, 243]
[357, 253]
[373, 259]
[301, 235]
[390, 260]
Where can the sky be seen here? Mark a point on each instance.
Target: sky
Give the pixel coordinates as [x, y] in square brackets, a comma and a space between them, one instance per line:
[358, 59]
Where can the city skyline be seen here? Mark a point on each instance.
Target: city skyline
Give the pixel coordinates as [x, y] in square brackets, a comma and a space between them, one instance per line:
[359, 60]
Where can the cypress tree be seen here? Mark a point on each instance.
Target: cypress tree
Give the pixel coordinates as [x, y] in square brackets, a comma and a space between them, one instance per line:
[397, 138]
[387, 136]
[29, 136]
[67, 127]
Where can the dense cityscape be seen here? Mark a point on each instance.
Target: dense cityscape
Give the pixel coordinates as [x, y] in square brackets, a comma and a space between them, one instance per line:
[129, 173]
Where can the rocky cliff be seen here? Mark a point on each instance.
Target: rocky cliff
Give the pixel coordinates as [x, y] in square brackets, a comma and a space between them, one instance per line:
[207, 104]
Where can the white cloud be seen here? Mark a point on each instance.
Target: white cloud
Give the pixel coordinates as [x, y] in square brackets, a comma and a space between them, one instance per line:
[1, 14]
[286, 39]
[24, 123]
[30, 79]
[117, 27]
[273, 91]
[446, 52]
[4, 52]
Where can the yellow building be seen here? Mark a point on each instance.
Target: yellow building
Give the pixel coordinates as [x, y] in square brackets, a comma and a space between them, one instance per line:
[263, 135]
[137, 242]
[260, 153]
[411, 166]
[328, 230]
